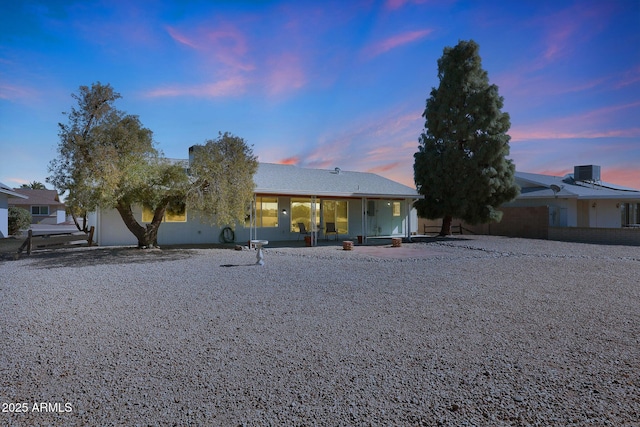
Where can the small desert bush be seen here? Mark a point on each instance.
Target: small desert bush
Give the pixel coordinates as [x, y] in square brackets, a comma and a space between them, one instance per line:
[19, 219]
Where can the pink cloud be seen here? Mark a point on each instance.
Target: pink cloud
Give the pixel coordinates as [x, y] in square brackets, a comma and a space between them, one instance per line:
[286, 73]
[629, 78]
[395, 41]
[382, 144]
[181, 38]
[294, 160]
[626, 176]
[226, 45]
[224, 88]
[591, 124]
[15, 92]
[385, 167]
[397, 4]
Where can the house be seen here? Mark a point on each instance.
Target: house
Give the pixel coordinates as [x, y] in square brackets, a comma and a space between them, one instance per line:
[575, 207]
[580, 199]
[357, 204]
[44, 205]
[5, 193]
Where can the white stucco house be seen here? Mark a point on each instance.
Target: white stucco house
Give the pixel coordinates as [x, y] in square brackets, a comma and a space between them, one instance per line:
[5, 193]
[289, 202]
[580, 199]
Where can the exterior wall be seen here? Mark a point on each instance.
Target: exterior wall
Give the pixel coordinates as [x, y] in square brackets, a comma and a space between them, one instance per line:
[56, 216]
[4, 216]
[111, 231]
[605, 214]
[607, 236]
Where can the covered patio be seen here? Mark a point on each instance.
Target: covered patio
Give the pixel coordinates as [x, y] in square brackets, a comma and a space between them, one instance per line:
[335, 205]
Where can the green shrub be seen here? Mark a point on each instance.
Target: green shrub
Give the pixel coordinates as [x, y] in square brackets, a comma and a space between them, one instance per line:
[19, 219]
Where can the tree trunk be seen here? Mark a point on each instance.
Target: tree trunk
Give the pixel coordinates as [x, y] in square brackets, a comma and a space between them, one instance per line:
[147, 235]
[75, 221]
[85, 227]
[445, 230]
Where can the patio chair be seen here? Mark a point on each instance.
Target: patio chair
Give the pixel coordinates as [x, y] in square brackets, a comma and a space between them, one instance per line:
[330, 228]
[303, 230]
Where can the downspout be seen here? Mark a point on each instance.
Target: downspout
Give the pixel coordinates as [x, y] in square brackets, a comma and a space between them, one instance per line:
[364, 220]
[408, 222]
[314, 226]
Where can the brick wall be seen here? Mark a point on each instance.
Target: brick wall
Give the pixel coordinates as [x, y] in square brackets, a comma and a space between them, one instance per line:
[530, 222]
[607, 236]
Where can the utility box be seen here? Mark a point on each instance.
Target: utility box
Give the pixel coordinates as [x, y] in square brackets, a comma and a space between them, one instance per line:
[586, 173]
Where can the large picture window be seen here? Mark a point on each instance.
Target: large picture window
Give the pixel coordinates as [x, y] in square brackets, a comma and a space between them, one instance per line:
[336, 211]
[301, 213]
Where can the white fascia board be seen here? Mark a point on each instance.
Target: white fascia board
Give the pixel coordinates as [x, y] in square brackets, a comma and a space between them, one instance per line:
[335, 194]
[13, 194]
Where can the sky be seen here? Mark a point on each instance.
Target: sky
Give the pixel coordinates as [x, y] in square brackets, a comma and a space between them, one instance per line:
[324, 84]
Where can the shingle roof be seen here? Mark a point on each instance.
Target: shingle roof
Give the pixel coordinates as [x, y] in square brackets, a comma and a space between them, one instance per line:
[535, 185]
[274, 178]
[37, 197]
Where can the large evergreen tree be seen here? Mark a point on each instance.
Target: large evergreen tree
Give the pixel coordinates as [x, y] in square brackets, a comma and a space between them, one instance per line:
[461, 166]
[107, 159]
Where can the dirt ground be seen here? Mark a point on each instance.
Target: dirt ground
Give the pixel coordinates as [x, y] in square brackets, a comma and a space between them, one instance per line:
[9, 246]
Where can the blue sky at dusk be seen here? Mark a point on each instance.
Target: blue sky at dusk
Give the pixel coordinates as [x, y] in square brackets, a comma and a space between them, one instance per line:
[324, 84]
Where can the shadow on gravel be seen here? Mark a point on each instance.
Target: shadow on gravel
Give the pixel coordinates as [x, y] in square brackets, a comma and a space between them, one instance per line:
[107, 256]
[438, 239]
[238, 265]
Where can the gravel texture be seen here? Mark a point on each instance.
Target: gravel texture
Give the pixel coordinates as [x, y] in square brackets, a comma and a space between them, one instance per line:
[481, 331]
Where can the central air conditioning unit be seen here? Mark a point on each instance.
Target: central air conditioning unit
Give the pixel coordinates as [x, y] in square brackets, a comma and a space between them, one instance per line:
[586, 173]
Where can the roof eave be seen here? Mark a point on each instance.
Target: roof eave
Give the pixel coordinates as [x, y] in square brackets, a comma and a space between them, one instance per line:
[336, 194]
[13, 194]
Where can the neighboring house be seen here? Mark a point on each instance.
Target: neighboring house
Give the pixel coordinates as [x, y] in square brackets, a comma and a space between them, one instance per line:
[356, 203]
[5, 193]
[44, 205]
[580, 199]
[575, 207]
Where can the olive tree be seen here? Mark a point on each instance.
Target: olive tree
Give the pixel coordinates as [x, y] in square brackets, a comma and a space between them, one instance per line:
[107, 159]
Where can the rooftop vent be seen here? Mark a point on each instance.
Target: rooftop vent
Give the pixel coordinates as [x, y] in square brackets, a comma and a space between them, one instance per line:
[586, 173]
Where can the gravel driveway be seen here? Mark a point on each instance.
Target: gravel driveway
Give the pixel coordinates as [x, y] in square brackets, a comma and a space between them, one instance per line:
[482, 331]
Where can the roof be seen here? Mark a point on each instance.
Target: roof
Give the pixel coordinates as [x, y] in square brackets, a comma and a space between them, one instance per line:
[36, 197]
[535, 186]
[5, 189]
[292, 180]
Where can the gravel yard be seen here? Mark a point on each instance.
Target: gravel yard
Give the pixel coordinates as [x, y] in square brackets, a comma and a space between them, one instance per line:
[474, 331]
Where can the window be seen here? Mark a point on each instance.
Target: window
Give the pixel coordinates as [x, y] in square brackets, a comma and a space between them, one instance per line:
[630, 213]
[176, 212]
[337, 211]
[396, 208]
[39, 210]
[301, 212]
[266, 212]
